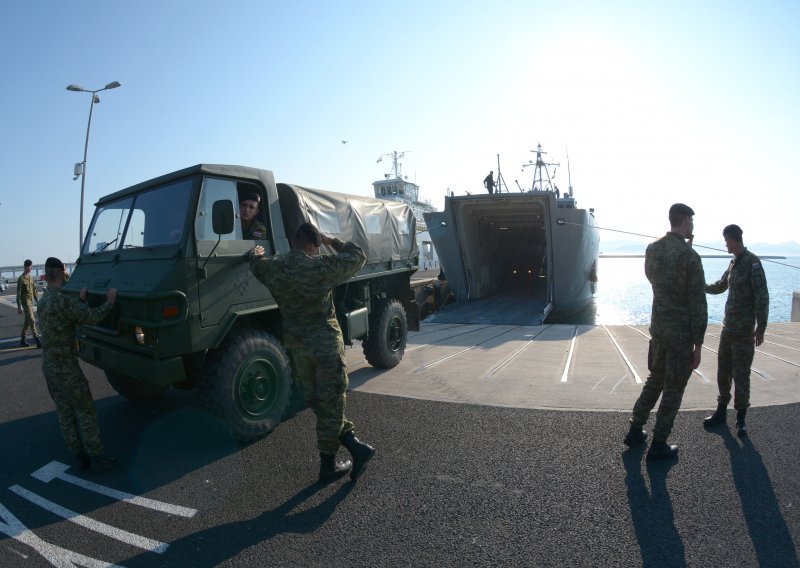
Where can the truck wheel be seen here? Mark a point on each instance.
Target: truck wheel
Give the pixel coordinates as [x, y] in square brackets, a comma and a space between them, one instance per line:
[388, 332]
[134, 390]
[247, 383]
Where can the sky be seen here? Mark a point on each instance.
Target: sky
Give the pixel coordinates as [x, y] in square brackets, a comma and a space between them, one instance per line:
[654, 103]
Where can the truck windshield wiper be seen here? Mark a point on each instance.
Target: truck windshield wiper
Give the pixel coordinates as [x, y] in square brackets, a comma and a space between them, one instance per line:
[105, 246]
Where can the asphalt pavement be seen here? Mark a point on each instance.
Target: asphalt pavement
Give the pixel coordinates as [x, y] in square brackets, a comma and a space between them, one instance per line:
[451, 485]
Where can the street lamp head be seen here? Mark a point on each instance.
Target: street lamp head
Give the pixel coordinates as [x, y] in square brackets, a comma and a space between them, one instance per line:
[113, 85]
[74, 87]
[96, 99]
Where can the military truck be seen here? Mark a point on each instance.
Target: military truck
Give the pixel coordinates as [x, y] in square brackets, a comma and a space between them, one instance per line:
[191, 315]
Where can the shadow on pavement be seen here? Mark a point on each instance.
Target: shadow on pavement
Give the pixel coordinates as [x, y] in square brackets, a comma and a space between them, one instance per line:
[771, 538]
[217, 544]
[651, 510]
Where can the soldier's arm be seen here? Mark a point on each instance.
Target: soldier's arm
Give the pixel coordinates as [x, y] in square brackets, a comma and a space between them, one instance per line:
[698, 308]
[760, 299]
[348, 260]
[259, 265]
[719, 286]
[19, 292]
[78, 312]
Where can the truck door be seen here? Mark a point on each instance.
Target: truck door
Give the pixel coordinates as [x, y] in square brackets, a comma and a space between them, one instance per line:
[225, 283]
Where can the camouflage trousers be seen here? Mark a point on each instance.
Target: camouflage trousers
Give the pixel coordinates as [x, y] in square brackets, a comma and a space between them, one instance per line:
[669, 373]
[77, 416]
[30, 321]
[734, 358]
[323, 382]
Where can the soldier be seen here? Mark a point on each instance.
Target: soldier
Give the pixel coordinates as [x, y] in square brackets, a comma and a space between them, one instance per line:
[747, 308]
[302, 283]
[26, 296]
[677, 327]
[488, 182]
[59, 316]
[249, 207]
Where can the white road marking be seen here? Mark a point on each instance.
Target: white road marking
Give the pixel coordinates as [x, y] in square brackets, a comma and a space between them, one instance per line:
[123, 536]
[636, 376]
[565, 374]
[57, 470]
[57, 556]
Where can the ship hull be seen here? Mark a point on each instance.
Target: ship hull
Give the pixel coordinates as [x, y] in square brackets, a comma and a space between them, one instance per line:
[515, 258]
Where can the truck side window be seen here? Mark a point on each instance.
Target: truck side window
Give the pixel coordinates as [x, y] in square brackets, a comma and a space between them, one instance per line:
[215, 189]
[251, 212]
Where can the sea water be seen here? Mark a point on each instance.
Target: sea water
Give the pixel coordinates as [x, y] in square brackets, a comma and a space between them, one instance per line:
[624, 295]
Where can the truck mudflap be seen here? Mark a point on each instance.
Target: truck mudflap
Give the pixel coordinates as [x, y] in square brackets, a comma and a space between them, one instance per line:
[110, 359]
[412, 315]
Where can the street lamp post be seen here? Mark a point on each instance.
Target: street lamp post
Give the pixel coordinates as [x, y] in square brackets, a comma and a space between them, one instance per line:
[80, 168]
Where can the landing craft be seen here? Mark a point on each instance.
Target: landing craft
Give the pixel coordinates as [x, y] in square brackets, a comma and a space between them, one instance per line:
[516, 258]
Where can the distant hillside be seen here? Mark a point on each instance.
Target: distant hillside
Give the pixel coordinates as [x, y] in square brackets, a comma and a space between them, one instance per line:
[788, 249]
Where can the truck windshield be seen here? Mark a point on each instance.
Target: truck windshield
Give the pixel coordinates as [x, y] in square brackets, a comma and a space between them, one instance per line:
[156, 217]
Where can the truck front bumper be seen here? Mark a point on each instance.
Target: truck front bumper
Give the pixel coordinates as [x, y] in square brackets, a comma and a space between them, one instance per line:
[117, 361]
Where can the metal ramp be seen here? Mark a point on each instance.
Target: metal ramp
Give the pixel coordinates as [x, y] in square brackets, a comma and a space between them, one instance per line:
[498, 309]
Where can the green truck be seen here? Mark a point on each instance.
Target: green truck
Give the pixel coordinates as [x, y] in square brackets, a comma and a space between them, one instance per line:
[190, 314]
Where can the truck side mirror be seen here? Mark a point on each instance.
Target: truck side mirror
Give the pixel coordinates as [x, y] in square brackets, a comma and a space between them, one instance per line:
[222, 217]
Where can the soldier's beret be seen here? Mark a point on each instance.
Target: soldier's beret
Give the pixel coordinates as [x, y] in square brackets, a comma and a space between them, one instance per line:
[250, 196]
[310, 233]
[53, 262]
[681, 209]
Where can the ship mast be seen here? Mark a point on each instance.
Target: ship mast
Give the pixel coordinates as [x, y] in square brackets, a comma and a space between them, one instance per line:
[396, 165]
[539, 165]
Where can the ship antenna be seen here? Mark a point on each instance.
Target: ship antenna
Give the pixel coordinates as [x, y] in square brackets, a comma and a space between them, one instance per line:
[569, 174]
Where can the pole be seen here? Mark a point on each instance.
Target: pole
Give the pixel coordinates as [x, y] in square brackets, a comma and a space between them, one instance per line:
[83, 173]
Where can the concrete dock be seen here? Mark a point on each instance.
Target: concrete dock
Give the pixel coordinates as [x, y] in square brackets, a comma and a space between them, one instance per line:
[563, 367]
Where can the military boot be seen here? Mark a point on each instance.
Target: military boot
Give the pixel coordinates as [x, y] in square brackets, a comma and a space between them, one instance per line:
[719, 416]
[741, 414]
[24, 342]
[660, 450]
[330, 469]
[360, 451]
[38, 342]
[102, 463]
[635, 436]
[84, 461]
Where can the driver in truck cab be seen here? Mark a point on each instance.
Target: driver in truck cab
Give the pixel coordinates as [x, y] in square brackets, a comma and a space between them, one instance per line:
[249, 210]
[302, 283]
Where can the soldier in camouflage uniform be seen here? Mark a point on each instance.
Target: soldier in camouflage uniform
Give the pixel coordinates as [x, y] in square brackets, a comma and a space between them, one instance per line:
[249, 207]
[677, 328]
[302, 284]
[59, 316]
[746, 313]
[26, 296]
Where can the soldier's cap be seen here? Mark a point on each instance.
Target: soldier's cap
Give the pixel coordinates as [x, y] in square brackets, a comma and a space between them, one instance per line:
[310, 233]
[680, 209]
[733, 231]
[250, 196]
[53, 262]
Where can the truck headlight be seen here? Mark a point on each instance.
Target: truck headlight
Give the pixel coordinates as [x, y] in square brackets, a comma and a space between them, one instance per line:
[138, 333]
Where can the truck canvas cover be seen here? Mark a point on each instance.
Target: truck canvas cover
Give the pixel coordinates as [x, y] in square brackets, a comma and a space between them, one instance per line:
[384, 229]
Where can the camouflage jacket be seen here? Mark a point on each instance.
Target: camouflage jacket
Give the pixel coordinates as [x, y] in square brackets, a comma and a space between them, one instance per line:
[303, 288]
[26, 290]
[59, 316]
[748, 298]
[256, 230]
[675, 272]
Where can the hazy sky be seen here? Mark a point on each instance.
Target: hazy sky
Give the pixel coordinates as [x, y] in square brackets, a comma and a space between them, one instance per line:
[655, 102]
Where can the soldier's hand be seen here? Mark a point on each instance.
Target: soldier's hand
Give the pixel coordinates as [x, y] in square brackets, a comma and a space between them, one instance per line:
[758, 338]
[83, 294]
[325, 239]
[258, 250]
[111, 295]
[695, 360]
[19, 311]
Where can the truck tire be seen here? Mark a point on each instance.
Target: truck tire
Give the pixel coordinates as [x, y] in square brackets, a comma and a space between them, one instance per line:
[388, 332]
[134, 390]
[247, 383]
